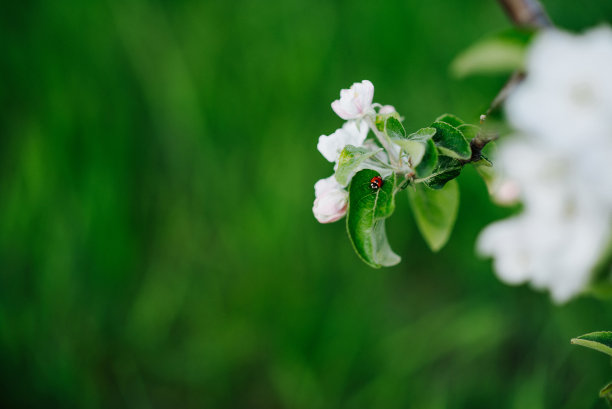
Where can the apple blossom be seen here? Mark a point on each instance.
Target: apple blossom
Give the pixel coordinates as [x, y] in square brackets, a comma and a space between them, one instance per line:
[355, 102]
[387, 110]
[331, 200]
[352, 133]
[551, 251]
[556, 164]
[560, 236]
[566, 97]
[506, 192]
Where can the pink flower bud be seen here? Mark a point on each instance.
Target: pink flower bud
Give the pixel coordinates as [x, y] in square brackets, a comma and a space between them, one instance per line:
[331, 200]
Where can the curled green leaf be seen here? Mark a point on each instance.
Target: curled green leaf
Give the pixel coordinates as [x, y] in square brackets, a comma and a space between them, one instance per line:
[394, 128]
[416, 145]
[415, 150]
[435, 212]
[365, 222]
[451, 141]
[447, 169]
[422, 135]
[469, 131]
[350, 159]
[428, 161]
[450, 119]
[606, 392]
[600, 341]
[490, 56]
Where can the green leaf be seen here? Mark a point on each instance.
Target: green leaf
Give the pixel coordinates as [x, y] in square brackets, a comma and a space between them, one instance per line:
[500, 54]
[365, 221]
[350, 159]
[447, 169]
[414, 149]
[606, 392]
[450, 119]
[469, 131]
[487, 173]
[422, 135]
[451, 141]
[483, 161]
[428, 161]
[435, 212]
[600, 341]
[416, 144]
[394, 128]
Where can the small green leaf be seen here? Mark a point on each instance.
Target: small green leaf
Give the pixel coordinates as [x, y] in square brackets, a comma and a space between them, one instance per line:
[416, 144]
[600, 341]
[428, 161]
[451, 141]
[394, 128]
[500, 54]
[469, 131]
[414, 149]
[435, 212]
[490, 150]
[365, 221]
[422, 135]
[450, 119]
[483, 161]
[606, 391]
[350, 159]
[487, 173]
[447, 169]
[485, 168]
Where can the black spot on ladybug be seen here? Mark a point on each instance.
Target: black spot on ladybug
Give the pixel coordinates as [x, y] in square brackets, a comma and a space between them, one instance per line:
[376, 183]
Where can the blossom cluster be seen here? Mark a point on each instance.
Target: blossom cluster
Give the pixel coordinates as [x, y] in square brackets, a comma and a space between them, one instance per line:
[357, 108]
[557, 165]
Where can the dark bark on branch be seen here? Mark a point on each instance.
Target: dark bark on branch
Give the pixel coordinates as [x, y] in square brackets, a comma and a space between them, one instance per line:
[524, 14]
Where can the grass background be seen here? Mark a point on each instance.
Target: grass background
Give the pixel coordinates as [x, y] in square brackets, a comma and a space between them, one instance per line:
[157, 244]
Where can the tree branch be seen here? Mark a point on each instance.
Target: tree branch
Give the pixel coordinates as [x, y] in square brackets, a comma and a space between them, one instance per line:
[526, 13]
[529, 14]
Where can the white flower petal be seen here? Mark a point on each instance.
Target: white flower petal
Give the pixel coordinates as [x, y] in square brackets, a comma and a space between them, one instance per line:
[330, 205]
[559, 163]
[325, 185]
[352, 133]
[355, 102]
[386, 110]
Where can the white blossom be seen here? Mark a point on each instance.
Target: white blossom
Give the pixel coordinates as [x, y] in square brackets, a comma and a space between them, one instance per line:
[331, 200]
[566, 97]
[557, 165]
[352, 133]
[506, 192]
[552, 251]
[355, 102]
[386, 110]
[559, 238]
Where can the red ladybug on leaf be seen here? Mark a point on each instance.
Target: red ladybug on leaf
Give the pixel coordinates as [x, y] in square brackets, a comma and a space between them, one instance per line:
[376, 183]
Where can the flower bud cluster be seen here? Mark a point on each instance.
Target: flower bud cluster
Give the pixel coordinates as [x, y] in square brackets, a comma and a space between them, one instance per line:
[356, 107]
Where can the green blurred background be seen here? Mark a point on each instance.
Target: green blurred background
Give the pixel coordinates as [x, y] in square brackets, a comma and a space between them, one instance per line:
[157, 244]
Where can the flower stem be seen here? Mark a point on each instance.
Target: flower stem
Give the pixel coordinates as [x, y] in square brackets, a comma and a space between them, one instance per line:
[384, 142]
[524, 14]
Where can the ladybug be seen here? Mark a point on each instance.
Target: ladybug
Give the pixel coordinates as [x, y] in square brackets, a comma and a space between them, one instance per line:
[376, 183]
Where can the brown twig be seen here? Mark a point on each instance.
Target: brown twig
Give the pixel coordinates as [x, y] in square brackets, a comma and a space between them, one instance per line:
[477, 144]
[528, 14]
